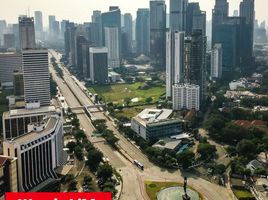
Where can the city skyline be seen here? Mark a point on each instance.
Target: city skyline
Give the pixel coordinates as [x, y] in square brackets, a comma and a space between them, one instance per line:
[80, 11]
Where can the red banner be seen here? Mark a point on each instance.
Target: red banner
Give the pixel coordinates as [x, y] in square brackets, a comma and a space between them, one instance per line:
[58, 196]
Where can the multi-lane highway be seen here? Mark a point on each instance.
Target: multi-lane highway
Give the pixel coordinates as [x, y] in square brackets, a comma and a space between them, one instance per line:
[133, 178]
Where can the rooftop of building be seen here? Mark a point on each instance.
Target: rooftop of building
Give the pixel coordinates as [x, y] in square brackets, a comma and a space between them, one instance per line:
[186, 85]
[249, 124]
[150, 116]
[167, 143]
[25, 112]
[50, 124]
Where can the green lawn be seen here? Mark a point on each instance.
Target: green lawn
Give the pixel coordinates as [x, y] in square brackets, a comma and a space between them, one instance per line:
[130, 112]
[242, 194]
[152, 188]
[116, 93]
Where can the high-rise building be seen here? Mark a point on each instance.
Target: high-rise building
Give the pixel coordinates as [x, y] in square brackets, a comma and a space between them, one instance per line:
[127, 29]
[143, 31]
[158, 33]
[174, 60]
[216, 62]
[219, 13]
[112, 43]
[9, 40]
[196, 19]
[3, 27]
[67, 38]
[186, 96]
[63, 25]
[86, 62]
[96, 17]
[196, 68]
[51, 20]
[36, 76]
[98, 57]
[94, 35]
[178, 15]
[38, 24]
[247, 11]
[112, 18]
[27, 33]
[16, 32]
[9, 62]
[236, 13]
[8, 175]
[56, 30]
[39, 153]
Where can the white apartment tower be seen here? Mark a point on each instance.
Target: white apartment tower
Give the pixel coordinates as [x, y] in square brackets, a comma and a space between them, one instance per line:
[112, 43]
[186, 96]
[36, 76]
[216, 62]
[174, 59]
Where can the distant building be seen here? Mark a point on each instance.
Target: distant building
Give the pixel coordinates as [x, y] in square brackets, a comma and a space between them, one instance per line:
[51, 20]
[8, 175]
[36, 76]
[155, 123]
[186, 96]
[41, 148]
[112, 44]
[9, 62]
[98, 57]
[216, 62]
[9, 41]
[174, 60]
[27, 33]
[195, 19]
[18, 83]
[178, 15]
[158, 33]
[128, 29]
[38, 24]
[112, 18]
[143, 31]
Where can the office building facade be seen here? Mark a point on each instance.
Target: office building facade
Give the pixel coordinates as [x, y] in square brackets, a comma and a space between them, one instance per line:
[112, 44]
[36, 76]
[158, 33]
[216, 62]
[39, 153]
[9, 62]
[27, 33]
[98, 57]
[174, 60]
[177, 15]
[38, 24]
[143, 31]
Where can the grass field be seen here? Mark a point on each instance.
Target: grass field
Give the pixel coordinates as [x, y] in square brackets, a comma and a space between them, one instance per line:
[131, 112]
[152, 188]
[242, 194]
[116, 93]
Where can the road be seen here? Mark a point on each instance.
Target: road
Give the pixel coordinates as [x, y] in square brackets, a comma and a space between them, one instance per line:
[133, 178]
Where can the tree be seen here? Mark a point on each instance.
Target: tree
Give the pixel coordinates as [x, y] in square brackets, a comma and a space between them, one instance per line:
[105, 172]
[127, 100]
[220, 169]
[78, 152]
[206, 150]
[148, 100]
[94, 158]
[246, 148]
[72, 186]
[186, 159]
[71, 146]
[80, 135]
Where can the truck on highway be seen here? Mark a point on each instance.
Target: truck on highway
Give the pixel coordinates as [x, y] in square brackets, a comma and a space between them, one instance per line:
[138, 164]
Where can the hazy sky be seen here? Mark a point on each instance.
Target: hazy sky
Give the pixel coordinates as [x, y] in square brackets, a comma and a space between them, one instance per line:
[80, 10]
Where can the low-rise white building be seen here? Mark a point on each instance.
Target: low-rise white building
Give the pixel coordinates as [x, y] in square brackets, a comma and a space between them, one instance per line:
[155, 123]
[186, 96]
